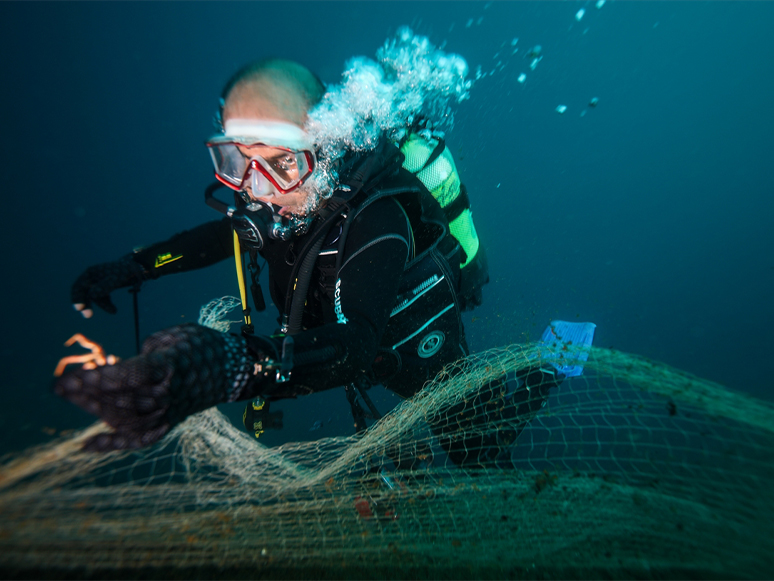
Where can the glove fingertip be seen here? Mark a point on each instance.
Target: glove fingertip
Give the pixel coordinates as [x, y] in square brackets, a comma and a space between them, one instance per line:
[107, 306]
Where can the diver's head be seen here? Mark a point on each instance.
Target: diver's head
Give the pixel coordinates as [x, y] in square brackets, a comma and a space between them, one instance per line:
[275, 89]
[263, 150]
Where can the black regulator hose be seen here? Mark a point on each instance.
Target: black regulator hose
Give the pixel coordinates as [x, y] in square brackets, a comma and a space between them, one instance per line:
[302, 287]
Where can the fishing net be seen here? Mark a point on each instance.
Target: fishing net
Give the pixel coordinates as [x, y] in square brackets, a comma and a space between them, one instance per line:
[632, 469]
[214, 314]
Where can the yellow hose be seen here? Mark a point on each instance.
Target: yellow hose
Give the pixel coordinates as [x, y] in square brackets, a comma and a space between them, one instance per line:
[241, 277]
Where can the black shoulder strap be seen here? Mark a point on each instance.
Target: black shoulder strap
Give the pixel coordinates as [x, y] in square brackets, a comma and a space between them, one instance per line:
[367, 173]
[434, 155]
[371, 170]
[460, 204]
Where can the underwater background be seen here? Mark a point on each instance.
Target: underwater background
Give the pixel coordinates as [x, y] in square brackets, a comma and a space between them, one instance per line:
[651, 214]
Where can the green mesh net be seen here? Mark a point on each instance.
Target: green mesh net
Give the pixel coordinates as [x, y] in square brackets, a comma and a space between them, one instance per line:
[633, 469]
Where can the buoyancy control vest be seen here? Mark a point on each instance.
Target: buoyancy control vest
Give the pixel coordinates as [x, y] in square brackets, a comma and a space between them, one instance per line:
[425, 330]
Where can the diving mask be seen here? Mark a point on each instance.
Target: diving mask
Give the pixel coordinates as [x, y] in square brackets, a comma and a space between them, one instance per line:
[270, 157]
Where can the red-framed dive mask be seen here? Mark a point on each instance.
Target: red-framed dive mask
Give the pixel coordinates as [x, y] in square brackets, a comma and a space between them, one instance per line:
[269, 157]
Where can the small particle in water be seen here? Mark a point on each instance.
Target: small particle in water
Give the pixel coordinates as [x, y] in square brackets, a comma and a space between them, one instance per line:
[515, 41]
[600, 4]
[498, 185]
[522, 78]
[535, 62]
[561, 109]
[593, 102]
[469, 23]
[316, 426]
[579, 14]
[535, 51]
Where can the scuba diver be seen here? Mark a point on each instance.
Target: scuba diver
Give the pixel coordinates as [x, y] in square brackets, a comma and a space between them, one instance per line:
[370, 275]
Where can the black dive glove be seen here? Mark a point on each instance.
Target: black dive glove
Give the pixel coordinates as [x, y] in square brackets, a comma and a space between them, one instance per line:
[182, 370]
[97, 282]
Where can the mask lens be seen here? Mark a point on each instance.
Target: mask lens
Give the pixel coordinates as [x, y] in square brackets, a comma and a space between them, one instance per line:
[230, 164]
[279, 168]
[284, 167]
[261, 187]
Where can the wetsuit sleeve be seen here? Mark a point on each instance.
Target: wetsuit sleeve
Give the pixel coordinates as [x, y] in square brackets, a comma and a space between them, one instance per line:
[188, 250]
[366, 289]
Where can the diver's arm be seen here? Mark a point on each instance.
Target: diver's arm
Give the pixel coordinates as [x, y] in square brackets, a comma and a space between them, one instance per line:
[188, 250]
[196, 248]
[189, 368]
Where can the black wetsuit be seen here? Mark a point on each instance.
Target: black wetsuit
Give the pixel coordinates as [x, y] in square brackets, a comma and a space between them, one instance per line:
[396, 222]
[369, 292]
[389, 313]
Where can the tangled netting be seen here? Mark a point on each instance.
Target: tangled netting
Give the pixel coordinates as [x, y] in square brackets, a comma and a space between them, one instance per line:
[633, 469]
[410, 81]
[214, 314]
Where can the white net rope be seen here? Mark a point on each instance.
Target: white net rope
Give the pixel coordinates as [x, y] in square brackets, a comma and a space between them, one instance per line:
[632, 469]
[214, 313]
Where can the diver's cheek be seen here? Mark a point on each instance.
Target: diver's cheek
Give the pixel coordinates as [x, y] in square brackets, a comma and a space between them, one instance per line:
[287, 210]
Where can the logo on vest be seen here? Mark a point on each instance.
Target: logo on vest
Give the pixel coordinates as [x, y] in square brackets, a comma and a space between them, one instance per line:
[340, 318]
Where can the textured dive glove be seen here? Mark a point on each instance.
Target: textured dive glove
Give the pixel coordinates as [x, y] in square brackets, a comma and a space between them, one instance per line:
[181, 370]
[98, 281]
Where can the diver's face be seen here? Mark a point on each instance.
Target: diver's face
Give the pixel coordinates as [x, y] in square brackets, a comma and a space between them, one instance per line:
[291, 203]
[252, 105]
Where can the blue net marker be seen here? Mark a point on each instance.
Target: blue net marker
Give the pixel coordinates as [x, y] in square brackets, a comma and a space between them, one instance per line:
[563, 336]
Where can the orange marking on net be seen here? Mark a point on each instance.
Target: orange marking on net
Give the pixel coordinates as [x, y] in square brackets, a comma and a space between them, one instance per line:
[96, 358]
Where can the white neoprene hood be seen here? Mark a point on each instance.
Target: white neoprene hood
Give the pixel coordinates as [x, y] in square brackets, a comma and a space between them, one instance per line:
[269, 132]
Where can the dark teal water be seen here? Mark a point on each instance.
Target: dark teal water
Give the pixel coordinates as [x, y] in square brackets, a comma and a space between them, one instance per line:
[650, 215]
